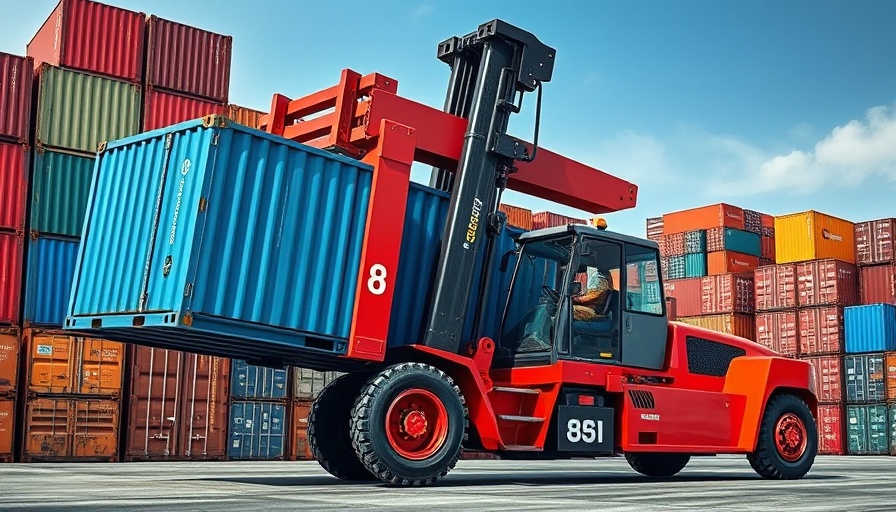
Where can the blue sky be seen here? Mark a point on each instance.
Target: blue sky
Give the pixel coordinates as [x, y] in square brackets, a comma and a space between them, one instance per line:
[779, 106]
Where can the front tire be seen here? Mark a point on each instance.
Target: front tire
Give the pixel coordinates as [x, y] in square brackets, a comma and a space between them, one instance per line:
[657, 465]
[788, 440]
[409, 424]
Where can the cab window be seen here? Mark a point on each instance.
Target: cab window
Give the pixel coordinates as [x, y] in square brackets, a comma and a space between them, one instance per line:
[642, 281]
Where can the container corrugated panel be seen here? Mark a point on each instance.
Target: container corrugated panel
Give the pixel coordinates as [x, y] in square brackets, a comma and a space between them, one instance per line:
[736, 240]
[704, 217]
[695, 241]
[827, 282]
[775, 287]
[674, 244]
[868, 429]
[13, 185]
[299, 449]
[865, 378]
[688, 294]
[877, 284]
[549, 220]
[890, 363]
[188, 59]
[778, 331]
[257, 382]
[736, 324]
[7, 428]
[870, 328]
[71, 429]
[813, 236]
[15, 97]
[9, 360]
[728, 262]
[61, 184]
[728, 293]
[654, 228]
[12, 248]
[767, 247]
[307, 384]
[677, 268]
[178, 408]
[829, 372]
[92, 36]
[266, 199]
[517, 217]
[830, 430]
[51, 265]
[257, 431]
[56, 363]
[694, 265]
[874, 241]
[892, 429]
[753, 221]
[245, 116]
[764, 262]
[77, 111]
[821, 330]
[162, 109]
[768, 222]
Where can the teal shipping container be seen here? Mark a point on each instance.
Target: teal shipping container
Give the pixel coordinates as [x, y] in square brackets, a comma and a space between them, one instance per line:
[892, 429]
[736, 240]
[59, 190]
[868, 429]
[695, 265]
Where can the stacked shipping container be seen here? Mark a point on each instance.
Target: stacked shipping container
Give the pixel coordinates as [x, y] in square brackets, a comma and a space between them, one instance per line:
[259, 412]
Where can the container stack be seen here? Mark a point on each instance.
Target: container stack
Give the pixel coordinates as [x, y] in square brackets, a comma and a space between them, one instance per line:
[708, 255]
[306, 387]
[259, 410]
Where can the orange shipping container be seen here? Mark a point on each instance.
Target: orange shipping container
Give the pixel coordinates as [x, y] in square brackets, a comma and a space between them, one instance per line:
[58, 363]
[299, 447]
[813, 236]
[705, 217]
[736, 324]
[7, 428]
[890, 363]
[730, 262]
[9, 360]
[517, 217]
[550, 220]
[245, 116]
[68, 429]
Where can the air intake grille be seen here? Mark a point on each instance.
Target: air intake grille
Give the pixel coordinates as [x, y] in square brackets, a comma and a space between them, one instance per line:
[641, 399]
[712, 358]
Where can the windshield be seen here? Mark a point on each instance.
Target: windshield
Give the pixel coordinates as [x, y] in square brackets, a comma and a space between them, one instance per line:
[529, 320]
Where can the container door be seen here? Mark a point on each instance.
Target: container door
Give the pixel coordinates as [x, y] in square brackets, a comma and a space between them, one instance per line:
[155, 384]
[202, 430]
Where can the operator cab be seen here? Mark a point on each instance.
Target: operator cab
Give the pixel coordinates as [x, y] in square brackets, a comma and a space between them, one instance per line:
[583, 293]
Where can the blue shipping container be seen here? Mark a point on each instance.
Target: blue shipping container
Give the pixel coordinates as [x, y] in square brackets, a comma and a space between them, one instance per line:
[695, 265]
[257, 382]
[735, 240]
[256, 431]
[51, 265]
[870, 328]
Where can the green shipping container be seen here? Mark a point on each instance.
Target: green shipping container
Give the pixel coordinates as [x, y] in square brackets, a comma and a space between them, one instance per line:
[59, 192]
[868, 429]
[893, 429]
[78, 111]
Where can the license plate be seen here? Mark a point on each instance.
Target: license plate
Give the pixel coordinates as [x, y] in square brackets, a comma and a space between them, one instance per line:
[585, 429]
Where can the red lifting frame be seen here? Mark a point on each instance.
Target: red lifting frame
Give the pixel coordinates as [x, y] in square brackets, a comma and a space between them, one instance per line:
[348, 120]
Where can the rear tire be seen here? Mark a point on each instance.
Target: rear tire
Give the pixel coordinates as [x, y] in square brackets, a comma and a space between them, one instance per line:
[328, 429]
[788, 440]
[409, 424]
[657, 465]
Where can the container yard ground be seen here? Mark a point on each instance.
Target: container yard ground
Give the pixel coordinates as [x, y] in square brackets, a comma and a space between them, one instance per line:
[712, 483]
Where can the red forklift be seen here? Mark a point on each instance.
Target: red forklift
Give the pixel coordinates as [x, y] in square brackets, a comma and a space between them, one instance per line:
[590, 368]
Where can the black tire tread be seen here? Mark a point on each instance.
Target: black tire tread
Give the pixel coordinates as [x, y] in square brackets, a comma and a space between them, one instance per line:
[657, 465]
[762, 460]
[361, 426]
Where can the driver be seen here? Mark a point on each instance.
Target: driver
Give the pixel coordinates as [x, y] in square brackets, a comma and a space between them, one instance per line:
[587, 304]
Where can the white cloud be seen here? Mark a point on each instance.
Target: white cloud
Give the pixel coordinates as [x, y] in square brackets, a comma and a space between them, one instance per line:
[422, 10]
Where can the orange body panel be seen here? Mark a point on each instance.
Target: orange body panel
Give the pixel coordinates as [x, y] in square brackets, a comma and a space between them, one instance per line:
[704, 217]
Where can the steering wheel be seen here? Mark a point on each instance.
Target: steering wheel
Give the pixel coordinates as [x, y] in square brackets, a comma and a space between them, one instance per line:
[550, 292]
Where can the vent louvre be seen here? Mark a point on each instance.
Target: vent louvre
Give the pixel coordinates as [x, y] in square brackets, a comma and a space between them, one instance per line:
[641, 399]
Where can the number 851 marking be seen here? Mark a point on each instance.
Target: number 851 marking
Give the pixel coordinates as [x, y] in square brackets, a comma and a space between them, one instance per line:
[584, 431]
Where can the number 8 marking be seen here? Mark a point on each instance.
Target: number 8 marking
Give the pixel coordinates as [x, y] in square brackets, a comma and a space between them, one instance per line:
[377, 282]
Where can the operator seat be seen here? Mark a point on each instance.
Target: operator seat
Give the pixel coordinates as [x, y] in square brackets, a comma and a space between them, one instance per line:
[590, 338]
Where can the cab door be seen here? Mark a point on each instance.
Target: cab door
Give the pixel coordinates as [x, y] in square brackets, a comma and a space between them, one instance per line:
[644, 328]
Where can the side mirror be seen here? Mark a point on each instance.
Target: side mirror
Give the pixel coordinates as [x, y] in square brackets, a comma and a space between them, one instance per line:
[575, 288]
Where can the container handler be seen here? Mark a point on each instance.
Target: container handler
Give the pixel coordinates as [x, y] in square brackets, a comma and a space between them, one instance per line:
[582, 363]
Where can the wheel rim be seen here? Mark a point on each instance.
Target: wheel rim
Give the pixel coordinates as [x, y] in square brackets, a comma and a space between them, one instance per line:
[790, 437]
[416, 424]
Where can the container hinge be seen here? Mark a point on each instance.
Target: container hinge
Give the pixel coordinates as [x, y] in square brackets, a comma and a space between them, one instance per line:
[168, 139]
[203, 204]
[188, 290]
[215, 139]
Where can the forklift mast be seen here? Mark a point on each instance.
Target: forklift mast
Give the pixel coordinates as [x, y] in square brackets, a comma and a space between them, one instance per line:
[491, 69]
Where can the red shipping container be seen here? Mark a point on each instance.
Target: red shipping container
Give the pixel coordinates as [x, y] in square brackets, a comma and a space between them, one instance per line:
[727, 293]
[877, 284]
[874, 242]
[767, 247]
[654, 228]
[728, 262]
[688, 295]
[827, 282]
[830, 430]
[16, 76]
[551, 220]
[163, 109]
[768, 221]
[775, 287]
[673, 245]
[11, 250]
[188, 59]
[93, 37]
[821, 330]
[828, 371]
[517, 217]
[13, 186]
[778, 331]
[249, 117]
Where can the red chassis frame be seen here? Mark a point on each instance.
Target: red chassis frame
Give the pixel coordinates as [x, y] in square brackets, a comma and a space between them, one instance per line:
[363, 117]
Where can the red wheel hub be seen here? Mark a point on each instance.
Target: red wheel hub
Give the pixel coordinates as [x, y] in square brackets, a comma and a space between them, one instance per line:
[416, 424]
[790, 437]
